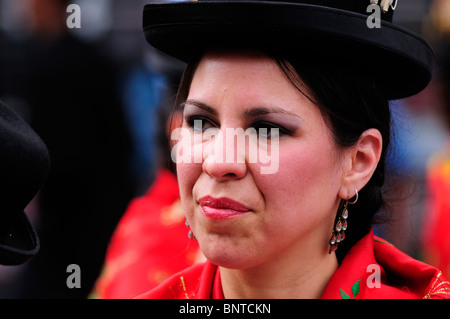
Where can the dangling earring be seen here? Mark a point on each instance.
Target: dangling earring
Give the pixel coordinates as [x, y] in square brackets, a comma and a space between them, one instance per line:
[190, 234]
[338, 234]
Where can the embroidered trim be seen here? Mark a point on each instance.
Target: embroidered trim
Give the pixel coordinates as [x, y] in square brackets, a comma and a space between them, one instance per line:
[183, 284]
[382, 242]
[438, 288]
[176, 289]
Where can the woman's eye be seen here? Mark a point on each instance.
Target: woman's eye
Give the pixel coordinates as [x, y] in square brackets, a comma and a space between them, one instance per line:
[198, 124]
[269, 130]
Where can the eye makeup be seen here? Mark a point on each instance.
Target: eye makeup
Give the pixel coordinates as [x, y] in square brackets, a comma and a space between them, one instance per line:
[267, 118]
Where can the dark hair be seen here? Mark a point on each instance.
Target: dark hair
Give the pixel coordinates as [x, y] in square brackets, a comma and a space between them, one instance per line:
[350, 102]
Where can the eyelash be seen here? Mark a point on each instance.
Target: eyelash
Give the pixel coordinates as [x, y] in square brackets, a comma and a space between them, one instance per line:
[190, 121]
[257, 125]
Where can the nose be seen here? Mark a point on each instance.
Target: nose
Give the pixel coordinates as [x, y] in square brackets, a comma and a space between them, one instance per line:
[224, 157]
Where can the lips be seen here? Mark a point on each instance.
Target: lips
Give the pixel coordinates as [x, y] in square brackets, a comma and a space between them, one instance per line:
[221, 208]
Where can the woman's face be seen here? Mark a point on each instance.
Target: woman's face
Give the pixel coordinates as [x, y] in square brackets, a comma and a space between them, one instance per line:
[241, 215]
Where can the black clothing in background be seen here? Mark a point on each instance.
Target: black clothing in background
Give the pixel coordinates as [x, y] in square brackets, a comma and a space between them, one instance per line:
[71, 92]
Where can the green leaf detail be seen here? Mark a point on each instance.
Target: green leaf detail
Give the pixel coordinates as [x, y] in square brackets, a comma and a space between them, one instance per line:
[343, 294]
[355, 289]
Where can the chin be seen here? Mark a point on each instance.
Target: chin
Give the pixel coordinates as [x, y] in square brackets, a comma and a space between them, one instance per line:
[231, 265]
[225, 262]
[227, 256]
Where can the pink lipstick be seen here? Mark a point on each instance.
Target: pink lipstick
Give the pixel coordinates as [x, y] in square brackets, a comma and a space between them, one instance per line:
[221, 208]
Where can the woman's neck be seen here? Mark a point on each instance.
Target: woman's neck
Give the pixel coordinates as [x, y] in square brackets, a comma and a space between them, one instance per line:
[283, 277]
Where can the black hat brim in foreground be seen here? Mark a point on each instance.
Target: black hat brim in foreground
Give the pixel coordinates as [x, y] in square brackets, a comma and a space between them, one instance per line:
[399, 60]
[20, 243]
[24, 165]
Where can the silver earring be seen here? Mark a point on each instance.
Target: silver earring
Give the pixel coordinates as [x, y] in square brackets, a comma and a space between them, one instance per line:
[338, 234]
[190, 234]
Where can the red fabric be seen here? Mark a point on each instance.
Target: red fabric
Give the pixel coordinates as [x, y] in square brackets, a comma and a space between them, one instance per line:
[437, 217]
[149, 244]
[402, 277]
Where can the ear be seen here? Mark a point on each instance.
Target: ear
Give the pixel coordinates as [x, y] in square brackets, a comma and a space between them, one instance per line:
[361, 162]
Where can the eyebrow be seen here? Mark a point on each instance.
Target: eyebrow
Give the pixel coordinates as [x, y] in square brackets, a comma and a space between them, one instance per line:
[248, 114]
[263, 110]
[200, 105]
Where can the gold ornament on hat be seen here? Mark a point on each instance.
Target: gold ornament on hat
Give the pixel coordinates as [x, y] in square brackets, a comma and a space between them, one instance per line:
[385, 4]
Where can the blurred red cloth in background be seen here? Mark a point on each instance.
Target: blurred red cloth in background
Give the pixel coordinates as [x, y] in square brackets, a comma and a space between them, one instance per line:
[436, 244]
[149, 244]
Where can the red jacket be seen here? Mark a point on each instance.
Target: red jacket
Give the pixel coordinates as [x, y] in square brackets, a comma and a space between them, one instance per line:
[401, 277]
[149, 244]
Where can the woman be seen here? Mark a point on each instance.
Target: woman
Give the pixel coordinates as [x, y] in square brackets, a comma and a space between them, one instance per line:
[290, 78]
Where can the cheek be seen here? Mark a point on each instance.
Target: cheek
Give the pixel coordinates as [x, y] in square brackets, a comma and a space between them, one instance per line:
[187, 156]
[304, 188]
[187, 175]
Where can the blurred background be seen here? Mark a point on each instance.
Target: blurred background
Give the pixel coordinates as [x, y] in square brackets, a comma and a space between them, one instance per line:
[93, 95]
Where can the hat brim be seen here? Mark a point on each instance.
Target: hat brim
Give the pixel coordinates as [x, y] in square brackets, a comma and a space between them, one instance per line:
[400, 60]
[20, 243]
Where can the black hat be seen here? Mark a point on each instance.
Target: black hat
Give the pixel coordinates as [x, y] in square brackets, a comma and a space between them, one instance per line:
[337, 30]
[24, 165]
